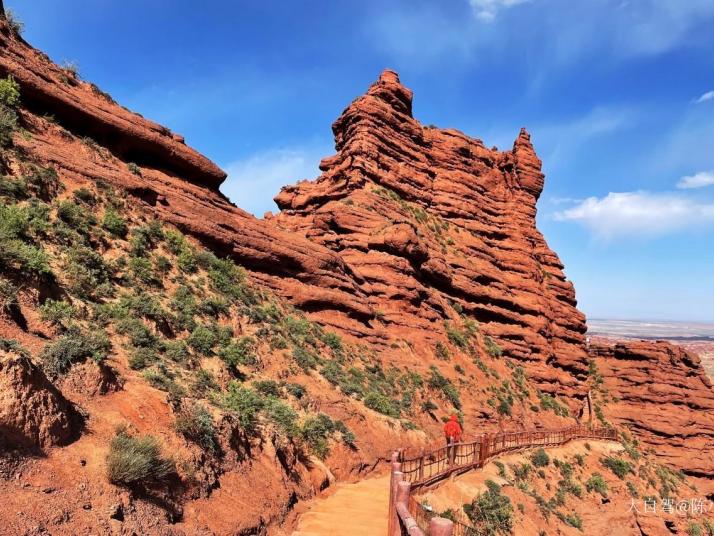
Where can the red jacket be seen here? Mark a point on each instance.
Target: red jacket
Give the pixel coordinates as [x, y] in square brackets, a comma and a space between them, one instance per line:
[452, 429]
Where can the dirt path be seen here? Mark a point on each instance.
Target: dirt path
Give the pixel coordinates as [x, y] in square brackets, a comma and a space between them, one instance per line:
[352, 510]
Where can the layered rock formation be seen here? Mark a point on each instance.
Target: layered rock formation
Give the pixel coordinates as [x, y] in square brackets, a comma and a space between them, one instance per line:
[427, 218]
[661, 393]
[460, 229]
[410, 232]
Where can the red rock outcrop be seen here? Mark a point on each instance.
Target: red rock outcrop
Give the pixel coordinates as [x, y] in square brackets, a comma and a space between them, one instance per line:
[33, 413]
[661, 393]
[407, 227]
[455, 225]
[462, 230]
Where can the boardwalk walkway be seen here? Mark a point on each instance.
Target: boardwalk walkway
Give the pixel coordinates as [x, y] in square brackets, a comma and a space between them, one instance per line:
[358, 509]
[364, 508]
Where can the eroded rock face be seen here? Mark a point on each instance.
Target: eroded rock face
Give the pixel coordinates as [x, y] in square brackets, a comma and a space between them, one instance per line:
[86, 109]
[33, 413]
[426, 218]
[662, 394]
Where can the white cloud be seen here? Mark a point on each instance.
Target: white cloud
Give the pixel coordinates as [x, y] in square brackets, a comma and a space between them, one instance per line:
[642, 214]
[254, 181]
[709, 95]
[698, 180]
[486, 10]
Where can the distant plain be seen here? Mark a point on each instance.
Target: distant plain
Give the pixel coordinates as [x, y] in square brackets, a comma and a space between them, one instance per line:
[697, 337]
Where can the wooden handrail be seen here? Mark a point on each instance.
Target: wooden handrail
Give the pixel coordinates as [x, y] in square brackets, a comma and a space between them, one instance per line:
[432, 466]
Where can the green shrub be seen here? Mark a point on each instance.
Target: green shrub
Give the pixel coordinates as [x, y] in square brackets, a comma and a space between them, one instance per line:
[186, 261]
[596, 483]
[442, 352]
[11, 345]
[85, 195]
[163, 380]
[9, 101]
[134, 460]
[175, 241]
[267, 388]
[138, 332]
[669, 480]
[17, 250]
[195, 423]
[204, 383]
[14, 189]
[540, 458]
[9, 92]
[694, 529]
[456, 336]
[143, 271]
[214, 307]
[296, 390]
[549, 402]
[8, 295]
[133, 168]
[438, 381]
[632, 489]
[57, 312]
[491, 511]
[283, 416]
[428, 406]
[492, 348]
[176, 351]
[202, 339]
[43, 182]
[521, 471]
[163, 264]
[245, 404]
[16, 25]
[76, 345]
[239, 352]
[140, 358]
[8, 126]
[333, 340]
[348, 437]
[304, 358]
[573, 520]
[381, 404]
[145, 238]
[87, 273]
[316, 431]
[74, 215]
[114, 223]
[617, 465]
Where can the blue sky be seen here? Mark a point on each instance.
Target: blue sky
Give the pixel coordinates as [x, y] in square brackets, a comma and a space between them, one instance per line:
[618, 96]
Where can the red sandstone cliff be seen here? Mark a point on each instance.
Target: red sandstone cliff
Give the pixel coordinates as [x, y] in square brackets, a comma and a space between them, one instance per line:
[661, 393]
[407, 227]
[456, 226]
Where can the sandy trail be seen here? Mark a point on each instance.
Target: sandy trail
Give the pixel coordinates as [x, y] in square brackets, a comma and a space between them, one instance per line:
[358, 509]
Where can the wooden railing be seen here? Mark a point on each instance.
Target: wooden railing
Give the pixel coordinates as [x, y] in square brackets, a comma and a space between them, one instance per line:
[407, 517]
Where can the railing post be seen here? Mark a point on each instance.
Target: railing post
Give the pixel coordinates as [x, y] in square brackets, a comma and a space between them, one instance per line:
[484, 449]
[393, 528]
[421, 464]
[439, 526]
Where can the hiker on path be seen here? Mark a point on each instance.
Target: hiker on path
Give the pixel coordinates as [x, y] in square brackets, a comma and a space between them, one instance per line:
[452, 431]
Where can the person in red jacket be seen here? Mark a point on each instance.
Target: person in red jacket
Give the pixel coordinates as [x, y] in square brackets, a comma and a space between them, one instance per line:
[452, 431]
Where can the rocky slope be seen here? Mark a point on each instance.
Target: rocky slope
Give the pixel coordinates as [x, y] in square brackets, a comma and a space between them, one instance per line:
[416, 248]
[660, 393]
